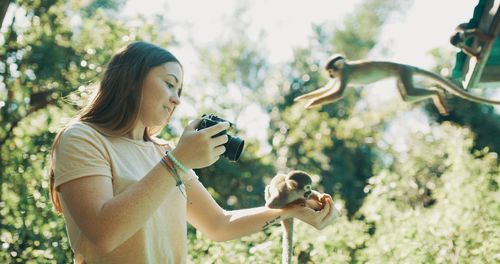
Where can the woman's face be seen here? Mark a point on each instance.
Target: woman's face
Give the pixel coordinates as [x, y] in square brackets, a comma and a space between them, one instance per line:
[160, 93]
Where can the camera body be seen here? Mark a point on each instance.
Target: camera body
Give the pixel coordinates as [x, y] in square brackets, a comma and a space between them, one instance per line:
[234, 145]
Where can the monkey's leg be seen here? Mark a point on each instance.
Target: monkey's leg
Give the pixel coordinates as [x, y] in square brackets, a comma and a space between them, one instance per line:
[471, 52]
[287, 241]
[410, 93]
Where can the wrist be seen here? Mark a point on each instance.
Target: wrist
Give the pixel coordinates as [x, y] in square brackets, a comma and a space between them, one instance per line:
[170, 166]
[288, 212]
[177, 160]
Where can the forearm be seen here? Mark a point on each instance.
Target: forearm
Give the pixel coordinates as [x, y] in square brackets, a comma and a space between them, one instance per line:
[238, 223]
[123, 215]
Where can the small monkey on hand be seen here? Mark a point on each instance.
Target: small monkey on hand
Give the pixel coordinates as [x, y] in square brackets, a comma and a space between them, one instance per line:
[294, 189]
[346, 73]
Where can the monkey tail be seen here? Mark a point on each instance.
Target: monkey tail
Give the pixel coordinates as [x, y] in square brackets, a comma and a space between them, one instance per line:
[287, 241]
[454, 88]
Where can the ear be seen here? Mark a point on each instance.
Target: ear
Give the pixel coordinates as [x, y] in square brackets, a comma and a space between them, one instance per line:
[339, 64]
[335, 62]
[292, 185]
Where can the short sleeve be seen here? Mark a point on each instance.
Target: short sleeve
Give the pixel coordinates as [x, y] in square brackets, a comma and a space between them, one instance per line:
[80, 153]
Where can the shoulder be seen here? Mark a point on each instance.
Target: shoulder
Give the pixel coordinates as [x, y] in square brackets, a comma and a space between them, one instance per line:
[81, 133]
[79, 128]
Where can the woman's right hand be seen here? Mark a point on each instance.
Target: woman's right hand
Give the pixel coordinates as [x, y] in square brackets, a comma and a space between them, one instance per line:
[199, 149]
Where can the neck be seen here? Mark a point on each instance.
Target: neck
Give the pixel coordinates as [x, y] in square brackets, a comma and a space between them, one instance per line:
[137, 133]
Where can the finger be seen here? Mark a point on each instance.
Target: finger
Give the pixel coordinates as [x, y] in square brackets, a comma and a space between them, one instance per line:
[330, 210]
[193, 124]
[323, 196]
[215, 129]
[311, 104]
[219, 150]
[213, 160]
[311, 95]
[220, 140]
[326, 211]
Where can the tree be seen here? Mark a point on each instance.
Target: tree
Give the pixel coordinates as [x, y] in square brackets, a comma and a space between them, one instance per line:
[435, 203]
[48, 63]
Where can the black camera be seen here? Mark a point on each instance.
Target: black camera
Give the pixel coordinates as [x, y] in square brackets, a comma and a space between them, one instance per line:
[234, 145]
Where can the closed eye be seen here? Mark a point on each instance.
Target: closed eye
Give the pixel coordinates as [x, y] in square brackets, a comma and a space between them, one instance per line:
[169, 85]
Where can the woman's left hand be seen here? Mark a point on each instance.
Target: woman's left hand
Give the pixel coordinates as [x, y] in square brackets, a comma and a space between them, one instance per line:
[318, 219]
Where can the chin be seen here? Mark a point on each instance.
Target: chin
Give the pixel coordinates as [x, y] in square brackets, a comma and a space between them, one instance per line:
[154, 123]
[158, 123]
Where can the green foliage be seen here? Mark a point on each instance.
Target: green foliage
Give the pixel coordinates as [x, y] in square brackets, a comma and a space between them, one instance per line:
[408, 194]
[235, 59]
[442, 205]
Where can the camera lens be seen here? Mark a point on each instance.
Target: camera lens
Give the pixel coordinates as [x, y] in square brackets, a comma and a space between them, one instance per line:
[234, 147]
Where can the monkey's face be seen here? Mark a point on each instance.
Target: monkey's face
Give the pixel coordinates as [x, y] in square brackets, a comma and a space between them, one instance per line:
[300, 184]
[334, 65]
[307, 191]
[286, 189]
[333, 73]
[457, 39]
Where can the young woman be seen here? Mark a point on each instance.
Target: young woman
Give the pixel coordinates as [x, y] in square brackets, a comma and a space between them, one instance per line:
[126, 195]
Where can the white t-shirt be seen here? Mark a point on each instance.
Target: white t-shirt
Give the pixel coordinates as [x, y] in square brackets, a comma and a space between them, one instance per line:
[85, 151]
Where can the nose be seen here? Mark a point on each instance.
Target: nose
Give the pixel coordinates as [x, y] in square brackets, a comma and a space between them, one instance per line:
[174, 98]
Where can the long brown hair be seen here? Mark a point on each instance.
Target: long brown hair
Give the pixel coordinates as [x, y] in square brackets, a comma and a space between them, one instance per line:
[114, 108]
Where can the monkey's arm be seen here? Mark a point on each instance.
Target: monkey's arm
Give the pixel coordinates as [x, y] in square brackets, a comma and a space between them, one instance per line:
[317, 93]
[327, 94]
[475, 32]
[330, 96]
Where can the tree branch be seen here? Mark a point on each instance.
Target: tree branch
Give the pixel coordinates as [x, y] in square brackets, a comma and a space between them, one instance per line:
[4, 5]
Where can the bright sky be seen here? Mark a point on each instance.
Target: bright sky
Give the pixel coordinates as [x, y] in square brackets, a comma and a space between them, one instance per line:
[287, 23]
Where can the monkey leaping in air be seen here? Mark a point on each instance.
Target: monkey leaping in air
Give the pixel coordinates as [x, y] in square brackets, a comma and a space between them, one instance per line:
[346, 73]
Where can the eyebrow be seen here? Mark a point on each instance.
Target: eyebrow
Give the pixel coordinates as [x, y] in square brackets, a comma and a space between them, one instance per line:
[175, 77]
